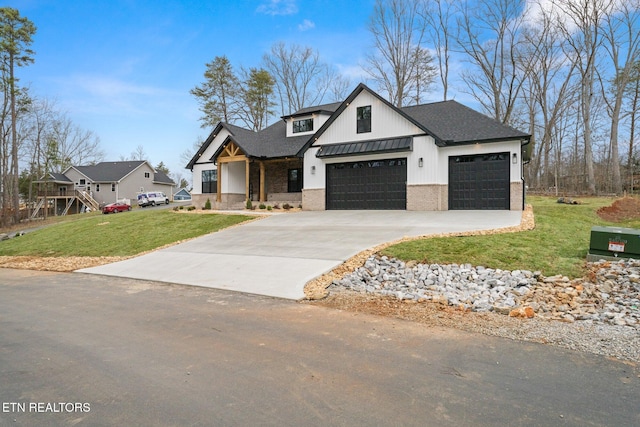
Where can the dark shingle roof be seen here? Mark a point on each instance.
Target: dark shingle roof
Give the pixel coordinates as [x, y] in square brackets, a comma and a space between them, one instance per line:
[116, 171]
[162, 178]
[109, 171]
[326, 108]
[271, 142]
[453, 123]
[55, 177]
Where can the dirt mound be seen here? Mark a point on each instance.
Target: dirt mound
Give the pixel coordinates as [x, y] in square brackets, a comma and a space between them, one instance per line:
[621, 210]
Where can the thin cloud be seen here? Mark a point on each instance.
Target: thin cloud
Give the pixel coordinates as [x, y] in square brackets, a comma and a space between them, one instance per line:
[278, 7]
[306, 25]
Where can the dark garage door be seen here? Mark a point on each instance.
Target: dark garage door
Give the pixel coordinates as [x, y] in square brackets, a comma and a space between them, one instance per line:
[376, 184]
[479, 182]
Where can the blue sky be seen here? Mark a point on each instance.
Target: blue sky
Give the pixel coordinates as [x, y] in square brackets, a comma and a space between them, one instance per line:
[123, 68]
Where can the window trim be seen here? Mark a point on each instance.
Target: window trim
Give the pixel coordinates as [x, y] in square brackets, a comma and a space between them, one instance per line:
[211, 184]
[363, 120]
[296, 185]
[306, 128]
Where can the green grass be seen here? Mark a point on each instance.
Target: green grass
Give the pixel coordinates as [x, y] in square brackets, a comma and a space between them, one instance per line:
[558, 244]
[122, 234]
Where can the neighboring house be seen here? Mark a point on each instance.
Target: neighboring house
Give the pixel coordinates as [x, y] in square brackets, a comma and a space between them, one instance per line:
[79, 187]
[365, 153]
[182, 194]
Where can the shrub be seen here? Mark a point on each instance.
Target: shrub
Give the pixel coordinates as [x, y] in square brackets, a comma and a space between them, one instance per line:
[262, 206]
[269, 208]
[181, 207]
[286, 206]
[249, 205]
[276, 206]
[191, 208]
[175, 208]
[207, 205]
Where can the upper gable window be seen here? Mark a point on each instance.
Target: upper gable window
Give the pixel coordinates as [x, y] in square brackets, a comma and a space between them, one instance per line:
[305, 125]
[364, 119]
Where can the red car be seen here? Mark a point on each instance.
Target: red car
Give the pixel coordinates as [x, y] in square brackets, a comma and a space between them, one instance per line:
[115, 208]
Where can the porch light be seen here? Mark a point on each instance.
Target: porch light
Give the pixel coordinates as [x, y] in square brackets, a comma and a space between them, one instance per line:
[420, 162]
[313, 170]
[514, 159]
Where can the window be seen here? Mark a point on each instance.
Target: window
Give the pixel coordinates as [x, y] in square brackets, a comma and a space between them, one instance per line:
[305, 125]
[146, 175]
[295, 181]
[113, 187]
[97, 187]
[210, 181]
[83, 182]
[364, 119]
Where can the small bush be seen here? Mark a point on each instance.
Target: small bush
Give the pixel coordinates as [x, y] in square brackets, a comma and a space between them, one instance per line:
[286, 206]
[276, 206]
[207, 205]
[249, 205]
[181, 207]
[262, 206]
[191, 208]
[175, 208]
[269, 208]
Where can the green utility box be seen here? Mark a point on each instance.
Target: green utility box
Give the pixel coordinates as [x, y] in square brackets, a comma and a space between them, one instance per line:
[613, 243]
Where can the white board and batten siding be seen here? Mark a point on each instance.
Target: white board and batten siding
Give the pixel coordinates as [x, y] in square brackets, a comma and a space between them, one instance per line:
[204, 162]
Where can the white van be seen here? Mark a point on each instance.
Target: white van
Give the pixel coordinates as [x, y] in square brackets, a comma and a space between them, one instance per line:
[152, 198]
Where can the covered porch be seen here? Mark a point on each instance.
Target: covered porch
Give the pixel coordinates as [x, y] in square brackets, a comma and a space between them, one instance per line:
[241, 178]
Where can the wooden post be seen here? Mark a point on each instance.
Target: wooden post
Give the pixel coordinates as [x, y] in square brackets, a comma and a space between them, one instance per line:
[262, 175]
[246, 171]
[219, 184]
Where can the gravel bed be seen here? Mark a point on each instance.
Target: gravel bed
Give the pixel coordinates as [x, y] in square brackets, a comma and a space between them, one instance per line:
[599, 314]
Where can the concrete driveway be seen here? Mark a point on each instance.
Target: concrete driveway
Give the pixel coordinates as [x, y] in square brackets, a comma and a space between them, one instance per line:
[277, 255]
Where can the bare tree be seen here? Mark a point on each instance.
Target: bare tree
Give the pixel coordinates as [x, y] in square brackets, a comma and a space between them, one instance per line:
[581, 22]
[549, 92]
[622, 43]
[339, 87]
[75, 146]
[301, 77]
[489, 34]
[399, 65]
[139, 154]
[438, 15]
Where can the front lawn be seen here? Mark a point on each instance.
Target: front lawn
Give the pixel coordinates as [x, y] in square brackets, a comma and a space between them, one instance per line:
[122, 234]
[558, 244]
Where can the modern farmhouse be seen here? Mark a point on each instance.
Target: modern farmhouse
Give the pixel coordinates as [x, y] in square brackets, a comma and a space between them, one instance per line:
[364, 153]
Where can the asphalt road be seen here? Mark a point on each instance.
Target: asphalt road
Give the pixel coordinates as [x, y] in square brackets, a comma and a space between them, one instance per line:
[132, 352]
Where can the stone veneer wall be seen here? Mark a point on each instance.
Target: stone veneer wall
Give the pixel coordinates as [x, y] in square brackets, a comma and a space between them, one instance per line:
[229, 201]
[434, 197]
[516, 195]
[313, 199]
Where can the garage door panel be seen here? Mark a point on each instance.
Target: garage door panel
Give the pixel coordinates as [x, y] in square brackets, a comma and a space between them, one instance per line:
[479, 181]
[379, 184]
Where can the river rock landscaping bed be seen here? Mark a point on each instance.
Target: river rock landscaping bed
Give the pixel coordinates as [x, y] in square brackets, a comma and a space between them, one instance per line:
[610, 294]
[599, 313]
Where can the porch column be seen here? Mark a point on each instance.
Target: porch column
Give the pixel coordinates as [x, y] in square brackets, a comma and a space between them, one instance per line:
[246, 179]
[262, 174]
[219, 184]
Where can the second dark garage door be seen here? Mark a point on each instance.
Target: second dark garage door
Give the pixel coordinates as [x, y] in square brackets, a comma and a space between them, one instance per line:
[479, 181]
[375, 184]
